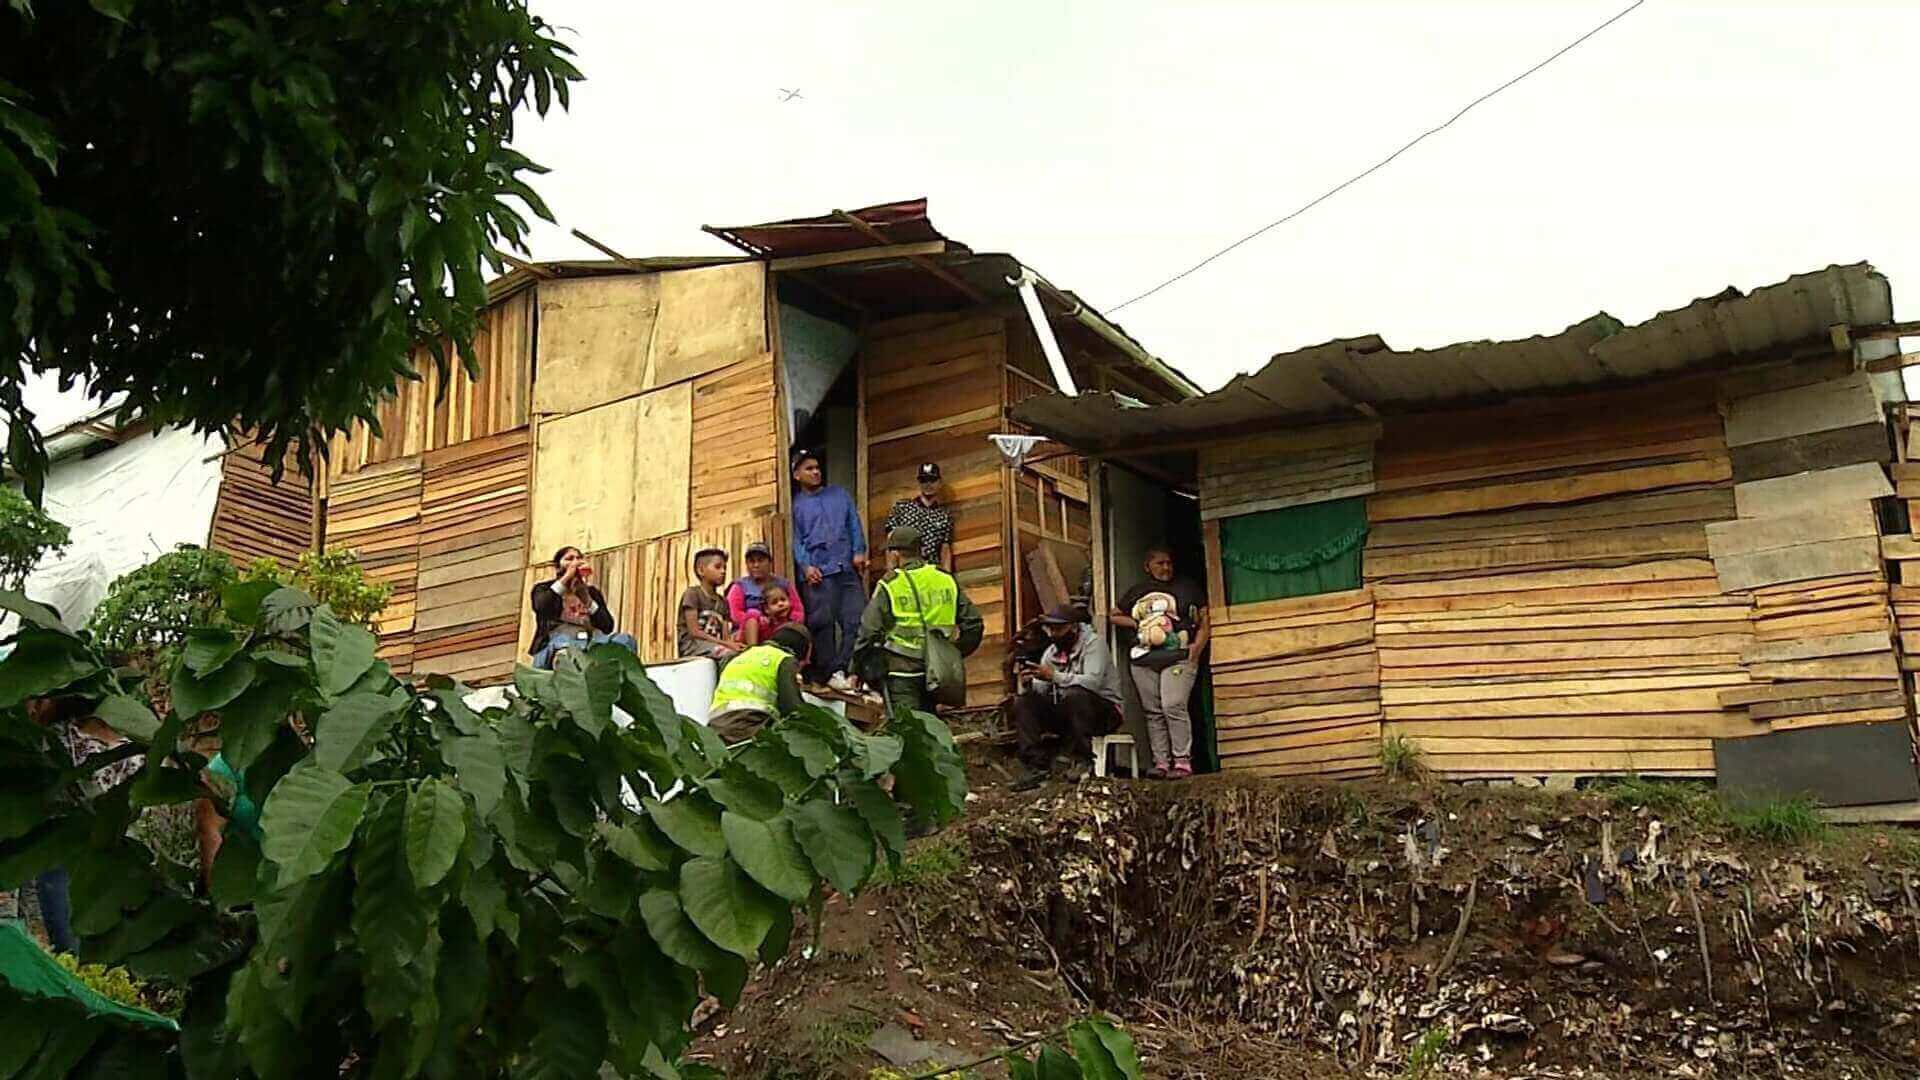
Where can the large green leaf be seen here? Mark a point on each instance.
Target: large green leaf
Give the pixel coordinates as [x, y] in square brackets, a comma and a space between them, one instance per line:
[767, 851]
[874, 754]
[684, 944]
[128, 715]
[242, 599]
[481, 766]
[881, 814]
[286, 610]
[207, 648]
[1118, 1044]
[235, 869]
[310, 818]
[638, 842]
[691, 821]
[352, 727]
[390, 918]
[726, 905]
[487, 903]
[739, 790]
[1095, 1060]
[41, 662]
[196, 694]
[249, 722]
[450, 697]
[32, 613]
[22, 1030]
[770, 760]
[930, 776]
[436, 827]
[588, 690]
[65, 1045]
[814, 752]
[837, 842]
[661, 992]
[1055, 1064]
[341, 653]
[570, 1040]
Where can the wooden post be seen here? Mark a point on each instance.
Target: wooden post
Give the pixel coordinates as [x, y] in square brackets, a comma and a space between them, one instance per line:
[782, 430]
[1097, 523]
[1216, 571]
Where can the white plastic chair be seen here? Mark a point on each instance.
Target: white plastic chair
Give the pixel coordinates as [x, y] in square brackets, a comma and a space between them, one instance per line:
[1104, 744]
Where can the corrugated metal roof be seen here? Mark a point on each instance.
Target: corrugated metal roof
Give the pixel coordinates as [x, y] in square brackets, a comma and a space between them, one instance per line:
[1325, 382]
[881, 287]
[903, 222]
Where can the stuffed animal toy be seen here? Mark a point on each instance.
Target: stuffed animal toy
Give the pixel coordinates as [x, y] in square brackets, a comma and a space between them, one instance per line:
[1158, 614]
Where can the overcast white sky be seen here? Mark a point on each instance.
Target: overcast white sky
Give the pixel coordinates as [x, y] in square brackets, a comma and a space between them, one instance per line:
[1691, 146]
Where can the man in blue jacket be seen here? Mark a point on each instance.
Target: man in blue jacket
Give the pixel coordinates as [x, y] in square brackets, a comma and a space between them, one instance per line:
[830, 558]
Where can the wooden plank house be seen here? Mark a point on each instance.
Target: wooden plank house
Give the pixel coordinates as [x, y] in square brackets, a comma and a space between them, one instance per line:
[1657, 549]
[643, 409]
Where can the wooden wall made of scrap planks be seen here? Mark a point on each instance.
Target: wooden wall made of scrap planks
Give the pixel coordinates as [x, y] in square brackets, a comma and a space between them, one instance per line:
[1296, 686]
[375, 513]
[1544, 600]
[435, 411]
[933, 392]
[473, 546]
[256, 517]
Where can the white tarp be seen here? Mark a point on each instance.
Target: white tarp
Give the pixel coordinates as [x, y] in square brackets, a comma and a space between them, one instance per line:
[125, 507]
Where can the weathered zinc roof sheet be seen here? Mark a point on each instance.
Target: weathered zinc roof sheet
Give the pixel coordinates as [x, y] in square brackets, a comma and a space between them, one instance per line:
[1318, 383]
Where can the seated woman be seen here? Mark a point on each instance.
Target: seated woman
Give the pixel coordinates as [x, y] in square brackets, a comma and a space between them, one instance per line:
[569, 613]
[747, 602]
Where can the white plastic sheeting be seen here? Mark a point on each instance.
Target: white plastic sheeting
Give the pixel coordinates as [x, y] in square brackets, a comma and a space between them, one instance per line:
[125, 507]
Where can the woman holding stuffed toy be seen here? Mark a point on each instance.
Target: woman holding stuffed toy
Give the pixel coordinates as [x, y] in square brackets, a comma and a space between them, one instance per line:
[569, 612]
[1168, 616]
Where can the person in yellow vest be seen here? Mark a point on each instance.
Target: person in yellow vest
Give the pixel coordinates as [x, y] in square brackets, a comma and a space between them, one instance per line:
[912, 599]
[760, 685]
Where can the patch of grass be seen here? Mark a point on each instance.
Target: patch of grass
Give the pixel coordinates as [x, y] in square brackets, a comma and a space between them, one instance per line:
[1400, 758]
[1778, 821]
[1792, 820]
[840, 1038]
[1424, 1056]
[934, 862]
[1667, 798]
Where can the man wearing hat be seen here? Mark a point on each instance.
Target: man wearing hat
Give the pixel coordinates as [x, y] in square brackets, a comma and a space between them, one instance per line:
[1072, 693]
[925, 513]
[760, 685]
[913, 600]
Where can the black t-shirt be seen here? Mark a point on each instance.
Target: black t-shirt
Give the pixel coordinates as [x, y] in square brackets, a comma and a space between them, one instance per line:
[1188, 598]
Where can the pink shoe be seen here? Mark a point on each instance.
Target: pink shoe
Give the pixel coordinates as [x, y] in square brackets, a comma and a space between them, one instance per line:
[1182, 768]
[1158, 772]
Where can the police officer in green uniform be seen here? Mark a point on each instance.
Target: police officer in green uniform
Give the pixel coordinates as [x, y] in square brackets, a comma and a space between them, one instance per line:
[760, 685]
[913, 599]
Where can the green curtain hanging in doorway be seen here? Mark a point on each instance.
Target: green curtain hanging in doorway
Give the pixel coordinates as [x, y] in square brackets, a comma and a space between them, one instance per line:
[1296, 551]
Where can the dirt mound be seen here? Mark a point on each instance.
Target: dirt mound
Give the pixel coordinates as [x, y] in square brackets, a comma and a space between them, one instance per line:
[1268, 929]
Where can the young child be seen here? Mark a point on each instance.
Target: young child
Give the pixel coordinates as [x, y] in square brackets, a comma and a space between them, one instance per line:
[704, 629]
[747, 597]
[776, 611]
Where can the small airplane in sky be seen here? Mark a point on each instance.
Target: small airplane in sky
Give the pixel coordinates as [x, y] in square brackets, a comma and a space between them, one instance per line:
[790, 95]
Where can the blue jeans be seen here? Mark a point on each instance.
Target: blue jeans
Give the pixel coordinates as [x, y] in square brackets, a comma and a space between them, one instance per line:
[565, 637]
[56, 910]
[834, 605]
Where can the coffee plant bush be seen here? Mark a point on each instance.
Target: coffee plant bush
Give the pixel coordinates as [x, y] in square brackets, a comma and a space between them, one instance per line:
[532, 889]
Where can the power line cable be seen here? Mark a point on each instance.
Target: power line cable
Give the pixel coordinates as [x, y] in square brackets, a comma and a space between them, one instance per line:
[1385, 161]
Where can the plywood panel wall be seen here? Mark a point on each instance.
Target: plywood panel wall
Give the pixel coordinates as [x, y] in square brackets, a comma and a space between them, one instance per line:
[614, 475]
[606, 338]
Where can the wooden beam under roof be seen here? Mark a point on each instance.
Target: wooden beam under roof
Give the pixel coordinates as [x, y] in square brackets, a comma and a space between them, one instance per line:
[859, 255]
[920, 261]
